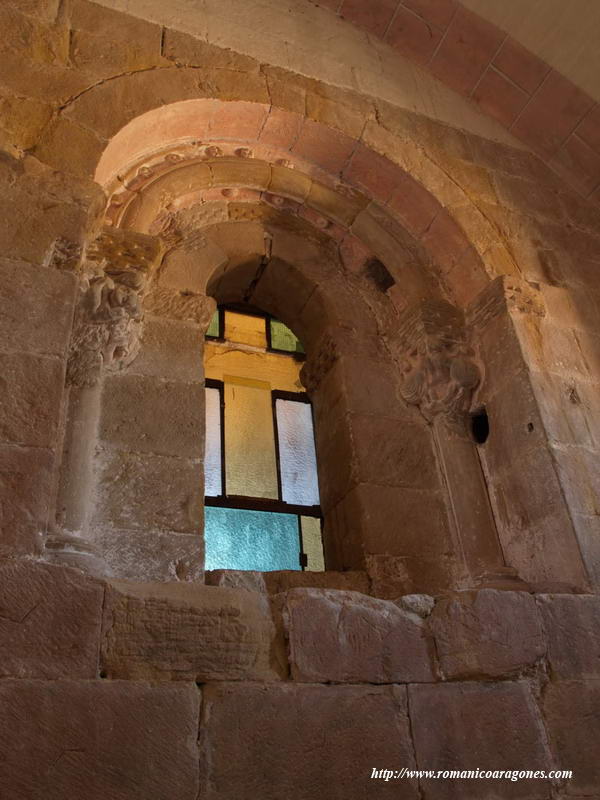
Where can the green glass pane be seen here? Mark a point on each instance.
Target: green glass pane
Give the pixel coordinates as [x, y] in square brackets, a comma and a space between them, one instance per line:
[214, 327]
[282, 338]
[259, 540]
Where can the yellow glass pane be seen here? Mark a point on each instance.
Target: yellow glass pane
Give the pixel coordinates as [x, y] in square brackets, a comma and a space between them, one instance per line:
[280, 371]
[245, 329]
[312, 543]
[250, 464]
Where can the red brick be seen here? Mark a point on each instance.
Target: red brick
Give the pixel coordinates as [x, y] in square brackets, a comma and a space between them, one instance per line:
[553, 113]
[436, 12]
[374, 16]
[579, 162]
[281, 129]
[414, 205]
[238, 120]
[499, 97]
[589, 128]
[412, 36]
[470, 44]
[374, 173]
[445, 240]
[521, 66]
[323, 146]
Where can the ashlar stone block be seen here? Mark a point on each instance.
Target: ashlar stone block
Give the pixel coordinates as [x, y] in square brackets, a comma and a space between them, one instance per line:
[572, 626]
[50, 621]
[150, 415]
[25, 491]
[310, 742]
[347, 637]
[139, 491]
[572, 713]
[36, 308]
[487, 726]
[188, 631]
[487, 633]
[31, 387]
[98, 739]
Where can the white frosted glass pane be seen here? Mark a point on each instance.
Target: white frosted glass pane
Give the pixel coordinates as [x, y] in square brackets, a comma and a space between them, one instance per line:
[212, 453]
[297, 457]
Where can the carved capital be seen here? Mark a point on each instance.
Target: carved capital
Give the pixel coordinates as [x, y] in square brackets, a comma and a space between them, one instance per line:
[439, 373]
[106, 330]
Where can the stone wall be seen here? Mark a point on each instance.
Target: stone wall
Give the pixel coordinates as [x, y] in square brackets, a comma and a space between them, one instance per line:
[230, 692]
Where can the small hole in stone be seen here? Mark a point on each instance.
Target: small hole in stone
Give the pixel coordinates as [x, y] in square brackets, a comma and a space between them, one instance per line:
[530, 426]
[104, 674]
[480, 426]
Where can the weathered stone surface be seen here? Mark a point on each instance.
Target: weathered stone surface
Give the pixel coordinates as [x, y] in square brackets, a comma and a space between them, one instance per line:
[347, 637]
[50, 622]
[307, 742]
[487, 633]
[170, 350]
[572, 713]
[187, 631]
[281, 581]
[105, 42]
[249, 580]
[140, 491]
[40, 205]
[490, 726]
[36, 308]
[150, 415]
[98, 739]
[26, 484]
[31, 387]
[144, 555]
[572, 627]
[420, 604]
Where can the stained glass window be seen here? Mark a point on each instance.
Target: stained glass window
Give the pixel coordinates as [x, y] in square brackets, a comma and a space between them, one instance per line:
[214, 328]
[297, 457]
[261, 486]
[282, 338]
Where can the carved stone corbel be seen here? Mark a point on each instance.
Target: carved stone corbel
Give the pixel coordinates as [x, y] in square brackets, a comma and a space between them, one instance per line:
[439, 373]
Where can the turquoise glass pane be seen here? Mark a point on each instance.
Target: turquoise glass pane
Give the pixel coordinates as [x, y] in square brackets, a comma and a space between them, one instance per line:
[282, 338]
[214, 327]
[260, 540]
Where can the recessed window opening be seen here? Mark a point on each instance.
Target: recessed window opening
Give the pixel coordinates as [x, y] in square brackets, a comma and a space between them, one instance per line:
[262, 507]
[480, 426]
